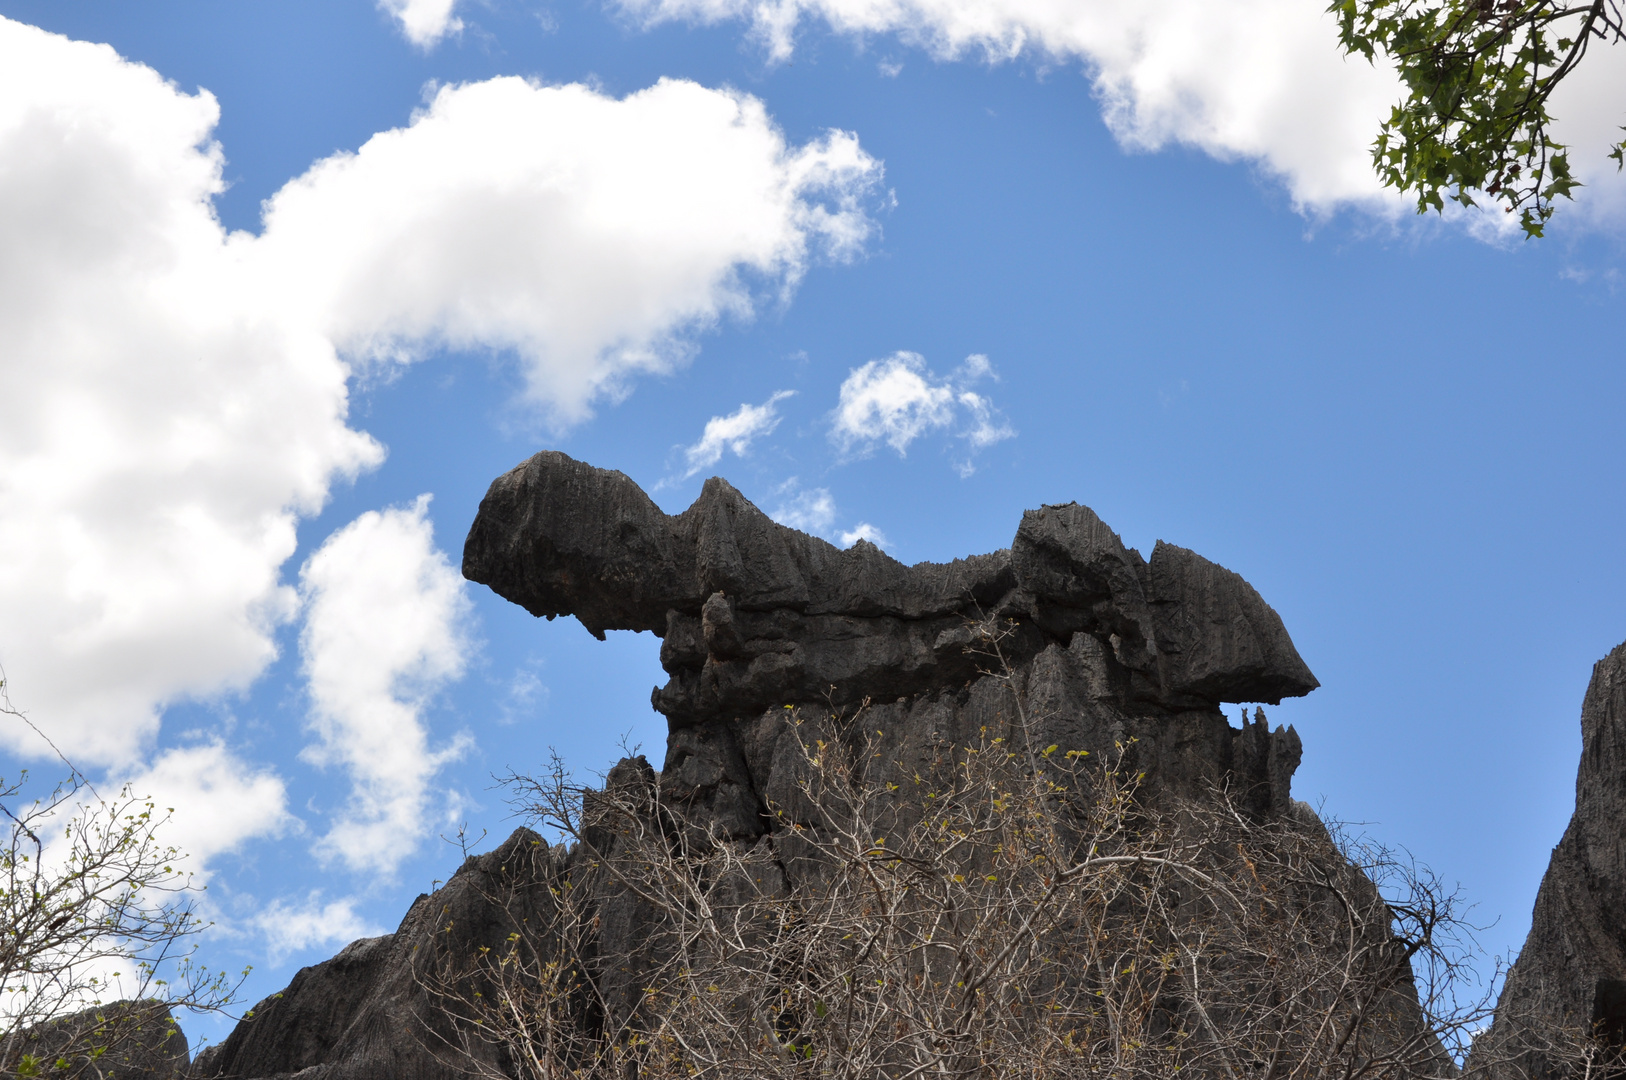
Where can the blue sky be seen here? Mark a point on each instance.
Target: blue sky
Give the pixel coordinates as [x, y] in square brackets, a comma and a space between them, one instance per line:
[1193, 309]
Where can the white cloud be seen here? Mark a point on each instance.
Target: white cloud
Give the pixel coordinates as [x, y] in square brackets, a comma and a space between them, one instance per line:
[1256, 80]
[162, 427]
[864, 531]
[525, 696]
[219, 801]
[294, 927]
[892, 400]
[812, 511]
[897, 400]
[735, 432]
[173, 399]
[1591, 108]
[591, 236]
[204, 802]
[383, 634]
[424, 22]
[1261, 80]
[976, 367]
[987, 428]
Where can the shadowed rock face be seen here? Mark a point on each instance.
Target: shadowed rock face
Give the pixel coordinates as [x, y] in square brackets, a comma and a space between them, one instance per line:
[1571, 972]
[1109, 651]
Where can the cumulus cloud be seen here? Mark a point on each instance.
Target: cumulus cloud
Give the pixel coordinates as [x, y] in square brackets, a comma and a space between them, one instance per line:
[524, 696]
[1591, 108]
[589, 236]
[987, 428]
[864, 531]
[893, 401]
[174, 399]
[736, 432]
[219, 801]
[812, 511]
[384, 632]
[162, 426]
[896, 400]
[205, 802]
[424, 22]
[294, 927]
[1261, 80]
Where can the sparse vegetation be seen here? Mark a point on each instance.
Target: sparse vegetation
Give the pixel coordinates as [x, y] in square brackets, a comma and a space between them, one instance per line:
[1007, 910]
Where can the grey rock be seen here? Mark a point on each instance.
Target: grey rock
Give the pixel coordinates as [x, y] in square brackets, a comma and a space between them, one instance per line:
[755, 614]
[1570, 977]
[1219, 638]
[559, 537]
[1084, 577]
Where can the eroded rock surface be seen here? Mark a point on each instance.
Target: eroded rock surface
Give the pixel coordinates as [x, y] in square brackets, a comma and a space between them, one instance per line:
[1570, 977]
[1109, 647]
[754, 613]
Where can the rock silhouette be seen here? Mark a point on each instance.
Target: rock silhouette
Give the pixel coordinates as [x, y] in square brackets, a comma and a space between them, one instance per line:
[1111, 652]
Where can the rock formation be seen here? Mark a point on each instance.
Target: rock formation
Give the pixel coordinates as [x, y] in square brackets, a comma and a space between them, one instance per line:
[1570, 977]
[367, 1014]
[754, 616]
[1107, 648]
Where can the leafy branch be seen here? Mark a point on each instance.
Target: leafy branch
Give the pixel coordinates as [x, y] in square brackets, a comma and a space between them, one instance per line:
[1479, 76]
